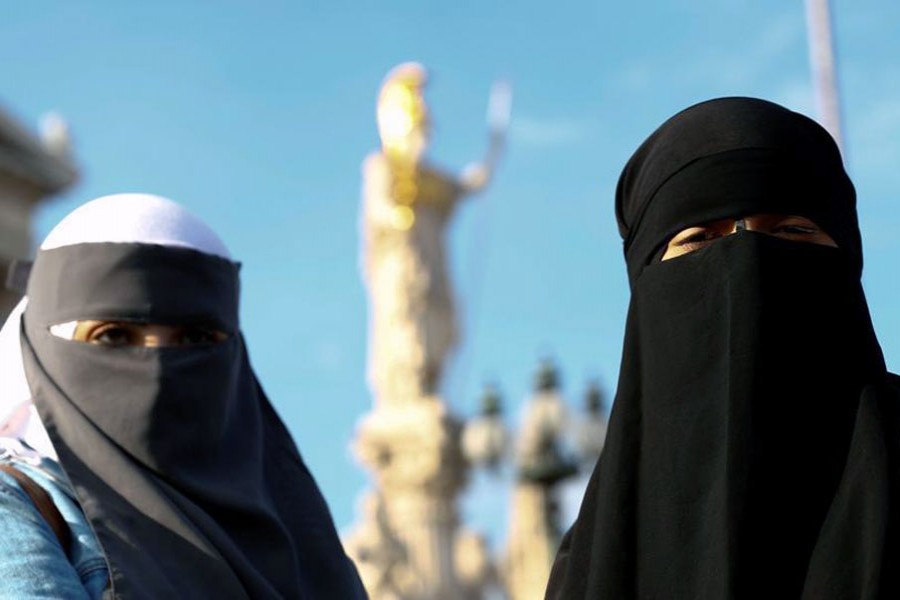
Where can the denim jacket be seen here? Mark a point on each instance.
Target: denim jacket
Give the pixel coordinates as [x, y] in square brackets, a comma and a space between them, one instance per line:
[32, 562]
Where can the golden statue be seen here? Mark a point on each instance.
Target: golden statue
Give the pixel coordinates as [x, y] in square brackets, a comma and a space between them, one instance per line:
[407, 204]
[409, 544]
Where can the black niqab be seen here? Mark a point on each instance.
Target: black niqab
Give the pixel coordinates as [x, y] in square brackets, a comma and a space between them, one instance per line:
[186, 473]
[753, 448]
[732, 157]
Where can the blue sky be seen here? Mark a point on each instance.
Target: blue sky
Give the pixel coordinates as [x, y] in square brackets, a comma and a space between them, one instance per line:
[257, 118]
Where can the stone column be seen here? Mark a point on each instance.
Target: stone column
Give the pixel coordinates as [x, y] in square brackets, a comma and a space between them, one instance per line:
[542, 463]
[532, 541]
[415, 458]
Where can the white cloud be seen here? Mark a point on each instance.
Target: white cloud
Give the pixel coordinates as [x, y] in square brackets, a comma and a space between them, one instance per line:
[547, 132]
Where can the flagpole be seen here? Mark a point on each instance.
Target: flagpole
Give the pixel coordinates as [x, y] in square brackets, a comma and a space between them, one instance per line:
[824, 72]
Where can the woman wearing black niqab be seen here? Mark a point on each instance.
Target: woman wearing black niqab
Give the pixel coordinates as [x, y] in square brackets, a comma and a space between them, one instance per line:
[754, 443]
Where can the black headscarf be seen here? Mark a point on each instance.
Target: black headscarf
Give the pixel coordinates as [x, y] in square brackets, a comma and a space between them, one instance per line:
[186, 473]
[754, 444]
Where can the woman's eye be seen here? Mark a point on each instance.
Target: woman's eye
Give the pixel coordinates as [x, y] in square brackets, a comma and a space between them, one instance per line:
[111, 335]
[699, 238]
[194, 336]
[794, 229]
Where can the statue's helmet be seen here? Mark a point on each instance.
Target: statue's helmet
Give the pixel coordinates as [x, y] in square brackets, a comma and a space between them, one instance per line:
[402, 113]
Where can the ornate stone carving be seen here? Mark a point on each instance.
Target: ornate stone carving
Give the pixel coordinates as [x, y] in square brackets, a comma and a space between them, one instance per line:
[414, 456]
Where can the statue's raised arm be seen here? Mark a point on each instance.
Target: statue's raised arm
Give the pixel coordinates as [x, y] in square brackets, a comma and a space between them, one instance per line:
[477, 175]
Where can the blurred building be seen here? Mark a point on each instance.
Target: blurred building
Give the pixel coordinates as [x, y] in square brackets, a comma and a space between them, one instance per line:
[548, 447]
[32, 168]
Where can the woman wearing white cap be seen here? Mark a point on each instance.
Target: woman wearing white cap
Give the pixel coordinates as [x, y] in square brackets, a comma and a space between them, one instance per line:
[125, 366]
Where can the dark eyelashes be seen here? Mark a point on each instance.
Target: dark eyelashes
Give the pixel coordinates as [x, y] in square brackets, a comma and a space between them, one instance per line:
[112, 335]
[796, 229]
[700, 237]
[792, 228]
[703, 237]
[118, 334]
[197, 336]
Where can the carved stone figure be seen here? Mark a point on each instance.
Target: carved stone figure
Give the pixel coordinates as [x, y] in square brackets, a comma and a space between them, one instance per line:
[407, 205]
[408, 542]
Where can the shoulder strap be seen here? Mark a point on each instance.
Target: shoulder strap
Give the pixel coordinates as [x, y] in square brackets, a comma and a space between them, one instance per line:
[44, 504]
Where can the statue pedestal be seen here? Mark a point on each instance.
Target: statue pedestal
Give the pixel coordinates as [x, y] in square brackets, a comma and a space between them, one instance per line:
[414, 454]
